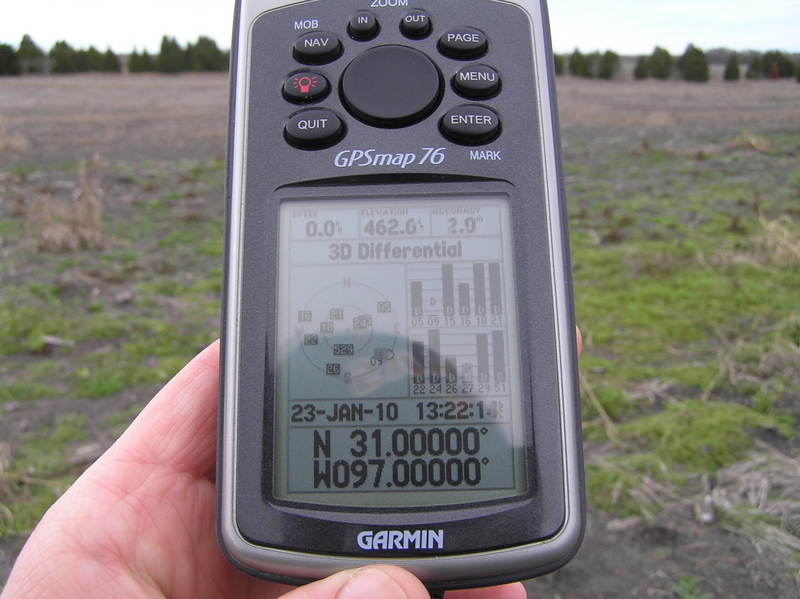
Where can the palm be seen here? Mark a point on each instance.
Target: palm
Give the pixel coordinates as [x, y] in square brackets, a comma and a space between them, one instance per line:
[140, 522]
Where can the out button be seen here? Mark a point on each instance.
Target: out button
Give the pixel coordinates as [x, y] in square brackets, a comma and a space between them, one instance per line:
[471, 125]
[314, 129]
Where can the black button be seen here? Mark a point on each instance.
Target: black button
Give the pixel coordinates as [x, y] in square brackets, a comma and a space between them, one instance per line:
[416, 25]
[305, 87]
[314, 129]
[476, 82]
[363, 26]
[471, 125]
[317, 47]
[463, 43]
[391, 86]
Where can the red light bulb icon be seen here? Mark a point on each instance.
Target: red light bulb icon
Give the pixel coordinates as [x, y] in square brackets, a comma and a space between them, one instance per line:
[305, 83]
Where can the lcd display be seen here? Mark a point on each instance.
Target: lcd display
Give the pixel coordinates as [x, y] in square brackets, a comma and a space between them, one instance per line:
[398, 355]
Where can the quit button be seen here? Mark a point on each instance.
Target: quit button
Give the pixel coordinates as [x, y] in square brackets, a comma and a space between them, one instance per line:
[471, 125]
[314, 129]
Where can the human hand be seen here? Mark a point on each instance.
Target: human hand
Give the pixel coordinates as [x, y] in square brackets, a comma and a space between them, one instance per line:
[140, 521]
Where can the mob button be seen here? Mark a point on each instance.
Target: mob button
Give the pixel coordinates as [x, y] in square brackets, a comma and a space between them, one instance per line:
[314, 129]
[471, 125]
[317, 47]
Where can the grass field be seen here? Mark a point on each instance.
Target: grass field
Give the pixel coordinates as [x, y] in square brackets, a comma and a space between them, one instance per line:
[686, 255]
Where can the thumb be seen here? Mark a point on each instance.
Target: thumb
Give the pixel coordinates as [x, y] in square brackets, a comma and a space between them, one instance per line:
[371, 582]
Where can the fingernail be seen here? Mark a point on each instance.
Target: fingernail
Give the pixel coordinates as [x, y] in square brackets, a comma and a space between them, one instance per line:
[371, 583]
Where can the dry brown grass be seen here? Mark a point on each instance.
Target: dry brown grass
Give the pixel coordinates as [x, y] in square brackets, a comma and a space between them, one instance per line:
[780, 241]
[75, 225]
[13, 143]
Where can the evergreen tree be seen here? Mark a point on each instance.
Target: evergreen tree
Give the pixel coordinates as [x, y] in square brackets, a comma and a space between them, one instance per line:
[95, 59]
[9, 61]
[755, 69]
[64, 58]
[575, 63]
[558, 63]
[785, 66]
[642, 69]
[732, 71]
[140, 63]
[28, 50]
[580, 65]
[660, 63]
[171, 57]
[110, 63]
[134, 62]
[694, 65]
[206, 56]
[608, 65]
[148, 64]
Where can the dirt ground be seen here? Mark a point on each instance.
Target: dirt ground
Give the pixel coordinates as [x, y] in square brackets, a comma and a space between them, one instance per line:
[131, 119]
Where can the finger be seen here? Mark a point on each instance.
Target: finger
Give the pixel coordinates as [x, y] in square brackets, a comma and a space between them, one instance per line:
[580, 340]
[507, 591]
[371, 582]
[177, 429]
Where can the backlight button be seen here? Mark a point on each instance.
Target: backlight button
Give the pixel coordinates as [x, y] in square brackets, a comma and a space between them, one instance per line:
[306, 87]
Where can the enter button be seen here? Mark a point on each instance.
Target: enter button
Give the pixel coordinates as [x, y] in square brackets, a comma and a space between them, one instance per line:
[471, 125]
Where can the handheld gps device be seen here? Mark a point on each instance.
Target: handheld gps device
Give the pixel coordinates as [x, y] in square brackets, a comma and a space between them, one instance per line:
[398, 377]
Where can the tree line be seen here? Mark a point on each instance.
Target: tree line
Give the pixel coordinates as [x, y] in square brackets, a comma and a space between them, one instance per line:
[693, 65]
[28, 57]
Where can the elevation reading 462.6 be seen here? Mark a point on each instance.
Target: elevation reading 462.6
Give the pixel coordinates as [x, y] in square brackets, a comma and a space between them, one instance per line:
[398, 352]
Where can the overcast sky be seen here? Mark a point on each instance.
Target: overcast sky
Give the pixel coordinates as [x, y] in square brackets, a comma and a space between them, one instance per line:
[625, 26]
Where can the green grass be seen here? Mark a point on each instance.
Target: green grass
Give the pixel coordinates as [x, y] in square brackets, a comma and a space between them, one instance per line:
[93, 324]
[691, 330]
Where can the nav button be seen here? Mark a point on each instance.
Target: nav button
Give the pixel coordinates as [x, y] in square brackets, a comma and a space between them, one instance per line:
[317, 47]
[314, 129]
[471, 125]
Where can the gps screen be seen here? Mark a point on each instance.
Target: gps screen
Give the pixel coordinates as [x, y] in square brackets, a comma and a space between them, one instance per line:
[398, 379]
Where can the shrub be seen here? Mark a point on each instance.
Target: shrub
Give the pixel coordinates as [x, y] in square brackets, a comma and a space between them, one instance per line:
[660, 63]
[580, 65]
[171, 57]
[64, 58]
[205, 56]
[29, 51]
[754, 69]
[783, 65]
[608, 65]
[694, 65]
[9, 61]
[732, 71]
[642, 69]
[110, 62]
[558, 63]
[140, 63]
